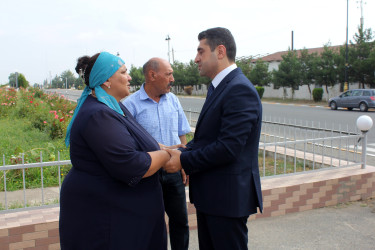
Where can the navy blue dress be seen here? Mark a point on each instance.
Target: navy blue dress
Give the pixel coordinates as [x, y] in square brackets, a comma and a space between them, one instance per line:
[105, 203]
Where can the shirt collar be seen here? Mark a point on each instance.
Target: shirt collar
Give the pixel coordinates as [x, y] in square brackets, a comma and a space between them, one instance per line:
[219, 77]
[144, 96]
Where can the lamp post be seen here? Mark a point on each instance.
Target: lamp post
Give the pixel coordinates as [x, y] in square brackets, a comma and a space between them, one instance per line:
[169, 56]
[364, 123]
[346, 85]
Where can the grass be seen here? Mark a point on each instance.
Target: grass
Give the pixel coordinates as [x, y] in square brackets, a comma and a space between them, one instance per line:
[19, 138]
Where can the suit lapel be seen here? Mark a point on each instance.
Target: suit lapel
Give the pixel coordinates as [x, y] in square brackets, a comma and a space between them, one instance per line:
[214, 96]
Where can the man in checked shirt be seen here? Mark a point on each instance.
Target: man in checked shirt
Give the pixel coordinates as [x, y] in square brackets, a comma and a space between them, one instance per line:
[161, 114]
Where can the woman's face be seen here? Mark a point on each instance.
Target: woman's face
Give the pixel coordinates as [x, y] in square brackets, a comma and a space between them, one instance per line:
[119, 83]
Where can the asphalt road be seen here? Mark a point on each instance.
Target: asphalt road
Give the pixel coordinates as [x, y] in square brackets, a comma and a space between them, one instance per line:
[317, 116]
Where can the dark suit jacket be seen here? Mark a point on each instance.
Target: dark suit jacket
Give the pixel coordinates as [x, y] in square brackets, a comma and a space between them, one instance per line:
[222, 159]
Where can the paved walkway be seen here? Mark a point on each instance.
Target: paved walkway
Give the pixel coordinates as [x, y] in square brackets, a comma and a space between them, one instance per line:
[346, 226]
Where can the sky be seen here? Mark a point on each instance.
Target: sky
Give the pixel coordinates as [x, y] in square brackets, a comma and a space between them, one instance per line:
[43, 38]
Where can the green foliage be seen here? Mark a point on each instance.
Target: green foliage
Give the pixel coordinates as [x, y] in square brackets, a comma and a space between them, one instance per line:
[187, 74]
[289, 72]
[307, 75]
[317, 94]
[326, 68]
[259, 74]
[28, 139]
[260, 90]
[18, 79]
[137, 76]
[245, 66]
[361, 65]
[48, 113]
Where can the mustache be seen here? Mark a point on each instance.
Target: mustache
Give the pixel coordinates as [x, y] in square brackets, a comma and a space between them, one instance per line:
[170, 84]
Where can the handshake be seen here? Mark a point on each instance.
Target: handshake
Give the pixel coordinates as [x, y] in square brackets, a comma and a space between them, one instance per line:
[174, 164]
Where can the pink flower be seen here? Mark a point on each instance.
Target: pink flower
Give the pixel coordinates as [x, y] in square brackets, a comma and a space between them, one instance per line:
[44, 122]
[56, 117]
[31, 101]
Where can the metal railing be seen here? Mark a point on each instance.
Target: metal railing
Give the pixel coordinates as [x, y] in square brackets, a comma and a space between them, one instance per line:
[287, 147]
[284, 148]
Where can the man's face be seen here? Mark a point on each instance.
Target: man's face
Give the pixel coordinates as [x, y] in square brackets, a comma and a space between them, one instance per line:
[164, 78]
[207, 61]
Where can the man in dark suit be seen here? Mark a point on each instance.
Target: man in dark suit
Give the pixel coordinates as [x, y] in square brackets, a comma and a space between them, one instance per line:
[222, 159]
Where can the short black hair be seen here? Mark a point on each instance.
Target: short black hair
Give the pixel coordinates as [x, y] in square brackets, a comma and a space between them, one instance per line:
[220, 36]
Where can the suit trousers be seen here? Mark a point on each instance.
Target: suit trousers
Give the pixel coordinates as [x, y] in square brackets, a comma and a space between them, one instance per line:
[222, 233]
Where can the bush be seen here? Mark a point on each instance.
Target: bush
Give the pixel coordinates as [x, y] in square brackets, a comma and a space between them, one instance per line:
[260, 91]
[317, 94]
[188, 89]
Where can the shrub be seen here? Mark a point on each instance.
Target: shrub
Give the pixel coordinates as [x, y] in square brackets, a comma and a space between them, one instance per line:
[260, 91]
[317, 94]
[188, 89]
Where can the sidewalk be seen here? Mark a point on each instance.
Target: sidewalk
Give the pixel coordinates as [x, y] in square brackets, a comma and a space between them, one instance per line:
[346, 226]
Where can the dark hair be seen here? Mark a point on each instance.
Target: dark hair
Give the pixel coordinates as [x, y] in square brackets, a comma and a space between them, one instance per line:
[84, 66]
[220, 36]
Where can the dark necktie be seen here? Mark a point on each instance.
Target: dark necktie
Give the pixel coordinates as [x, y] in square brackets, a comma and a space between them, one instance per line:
[210, 90]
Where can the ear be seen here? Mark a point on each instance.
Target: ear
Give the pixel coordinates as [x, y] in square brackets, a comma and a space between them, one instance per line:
[106, 83]
[152, 74]
[221, 51]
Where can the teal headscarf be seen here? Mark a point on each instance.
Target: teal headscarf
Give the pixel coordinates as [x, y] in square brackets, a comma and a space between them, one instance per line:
[104, 67]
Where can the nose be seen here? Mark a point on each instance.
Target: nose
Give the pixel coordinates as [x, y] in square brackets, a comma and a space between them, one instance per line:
[129, 78]
[196, 60]
[172, 78]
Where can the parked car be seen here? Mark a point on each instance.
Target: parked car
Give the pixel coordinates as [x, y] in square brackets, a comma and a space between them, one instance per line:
[355, 98]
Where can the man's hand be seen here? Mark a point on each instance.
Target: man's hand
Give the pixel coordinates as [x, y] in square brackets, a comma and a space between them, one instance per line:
[174, 164]
[185, 178]
[172, 147]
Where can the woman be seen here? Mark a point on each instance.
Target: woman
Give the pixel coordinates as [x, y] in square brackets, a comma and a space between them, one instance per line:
[111, 198]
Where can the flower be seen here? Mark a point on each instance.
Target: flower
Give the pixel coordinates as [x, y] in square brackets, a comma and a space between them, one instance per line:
[44, 122]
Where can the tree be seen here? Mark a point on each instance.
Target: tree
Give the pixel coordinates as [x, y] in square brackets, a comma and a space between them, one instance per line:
[68, 79]
[245, 66]
[57, 82]
[288, 74]
[325, 69]
[21, 80]
[361, 68]
[259, 74]
[307, 75]
[137, 76]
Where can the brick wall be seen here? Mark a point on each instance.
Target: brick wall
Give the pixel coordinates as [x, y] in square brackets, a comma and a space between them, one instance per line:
[38, 228]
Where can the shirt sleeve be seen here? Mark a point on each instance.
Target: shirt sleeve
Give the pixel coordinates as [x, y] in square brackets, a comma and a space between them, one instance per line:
[183, 124]
[110, 140]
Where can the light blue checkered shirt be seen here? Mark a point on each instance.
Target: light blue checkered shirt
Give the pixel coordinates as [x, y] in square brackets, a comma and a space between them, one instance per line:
[165, 121]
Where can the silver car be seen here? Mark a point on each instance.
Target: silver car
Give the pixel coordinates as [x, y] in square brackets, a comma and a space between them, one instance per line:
[355, 98]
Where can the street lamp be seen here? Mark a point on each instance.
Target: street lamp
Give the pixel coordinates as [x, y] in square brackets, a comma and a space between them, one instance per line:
[169, 56]
[364, 123]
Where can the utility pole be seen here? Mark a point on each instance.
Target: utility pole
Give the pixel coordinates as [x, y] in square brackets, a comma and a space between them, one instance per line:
[16, 80]
[169, 56]
[346, 84]
[361, 6]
